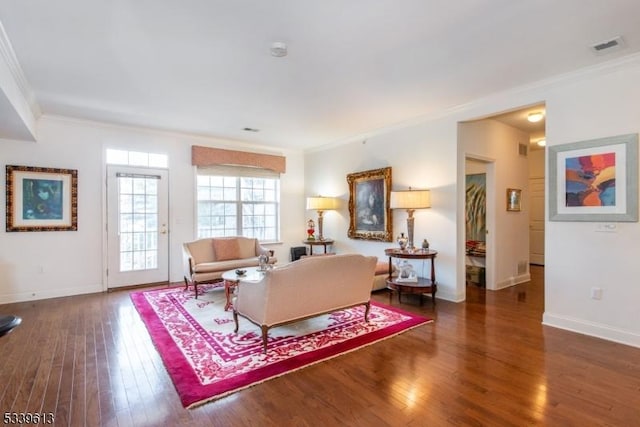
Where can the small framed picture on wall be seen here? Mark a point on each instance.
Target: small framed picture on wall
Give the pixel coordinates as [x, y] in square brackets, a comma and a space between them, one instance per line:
[514, 198]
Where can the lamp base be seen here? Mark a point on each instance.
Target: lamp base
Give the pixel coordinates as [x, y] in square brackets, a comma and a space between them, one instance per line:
[410, 224]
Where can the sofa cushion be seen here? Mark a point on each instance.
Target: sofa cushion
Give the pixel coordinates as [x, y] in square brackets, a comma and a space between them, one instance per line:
[382, 268]
[201, 250]
[208, 267]
[226, 248]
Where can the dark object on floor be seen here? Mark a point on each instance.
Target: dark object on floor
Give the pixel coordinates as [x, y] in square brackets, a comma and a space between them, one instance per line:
[476, 275]
[7, 323]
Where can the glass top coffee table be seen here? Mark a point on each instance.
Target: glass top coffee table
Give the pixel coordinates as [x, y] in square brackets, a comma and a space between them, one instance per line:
[231, 280]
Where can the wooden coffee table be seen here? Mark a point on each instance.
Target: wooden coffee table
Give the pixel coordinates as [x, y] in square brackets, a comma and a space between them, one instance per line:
[231, 280]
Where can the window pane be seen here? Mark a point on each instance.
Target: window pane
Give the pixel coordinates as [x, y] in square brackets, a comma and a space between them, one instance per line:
[117, 157]
[239, 206]
[204, 209]
[138, 159]
[152, 186]
[139, 185]
[151, 204]
[158, 160]
[126, 242]
[139, 203]
[230, 194]
[203, 193]
[126, 203]
[126, 185]
[217, 193]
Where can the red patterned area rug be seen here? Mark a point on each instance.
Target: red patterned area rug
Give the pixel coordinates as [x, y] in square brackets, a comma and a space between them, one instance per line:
[206, 360]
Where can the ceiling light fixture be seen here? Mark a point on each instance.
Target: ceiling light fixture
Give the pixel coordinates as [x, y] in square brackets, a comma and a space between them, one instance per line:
[535, 117]
[278, 49]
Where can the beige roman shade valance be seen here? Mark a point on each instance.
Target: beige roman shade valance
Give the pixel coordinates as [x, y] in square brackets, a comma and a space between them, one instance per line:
[207, 156]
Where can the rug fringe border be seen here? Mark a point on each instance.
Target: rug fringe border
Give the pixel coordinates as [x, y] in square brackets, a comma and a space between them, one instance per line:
[229, 392]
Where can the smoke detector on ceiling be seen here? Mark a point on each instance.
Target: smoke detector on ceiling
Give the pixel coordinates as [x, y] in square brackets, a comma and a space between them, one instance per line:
[278, 49]
[608, 46]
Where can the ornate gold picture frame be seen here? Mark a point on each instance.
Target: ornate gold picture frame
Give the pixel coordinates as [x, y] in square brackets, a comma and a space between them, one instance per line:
[41, 199]
[369, 211]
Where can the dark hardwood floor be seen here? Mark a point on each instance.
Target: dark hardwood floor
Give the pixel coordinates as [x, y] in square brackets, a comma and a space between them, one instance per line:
[486, 362]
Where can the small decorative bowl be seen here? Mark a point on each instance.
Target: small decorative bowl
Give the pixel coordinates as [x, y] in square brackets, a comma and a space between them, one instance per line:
[240, 272]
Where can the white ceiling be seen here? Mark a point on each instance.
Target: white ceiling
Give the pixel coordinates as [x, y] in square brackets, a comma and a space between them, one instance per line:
[204, 67]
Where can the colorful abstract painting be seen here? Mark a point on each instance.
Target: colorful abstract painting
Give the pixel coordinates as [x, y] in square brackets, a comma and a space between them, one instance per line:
[591, 180]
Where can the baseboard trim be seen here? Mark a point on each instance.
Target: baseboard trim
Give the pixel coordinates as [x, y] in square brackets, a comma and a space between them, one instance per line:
[597, 330]
[49, 293]
[512, 281]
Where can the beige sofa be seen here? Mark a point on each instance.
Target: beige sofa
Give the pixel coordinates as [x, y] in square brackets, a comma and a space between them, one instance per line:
[305, 288]
[206, 259]
[380, 276]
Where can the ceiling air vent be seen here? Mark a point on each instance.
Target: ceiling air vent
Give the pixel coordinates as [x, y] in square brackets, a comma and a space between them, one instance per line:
[607, 46]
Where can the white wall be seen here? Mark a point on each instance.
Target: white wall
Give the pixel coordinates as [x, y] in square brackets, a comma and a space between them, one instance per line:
[508, 237]
[595, 102]
[577, 257]
[421, 156]
[36, 265]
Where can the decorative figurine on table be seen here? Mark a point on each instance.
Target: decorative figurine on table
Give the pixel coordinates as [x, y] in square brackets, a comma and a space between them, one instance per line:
[407, 273]
[402, 241]
[263, 262]
[311, 230]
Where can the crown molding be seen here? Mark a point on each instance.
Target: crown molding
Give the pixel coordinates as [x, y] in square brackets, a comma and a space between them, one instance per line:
[207, 140]
[8, 56]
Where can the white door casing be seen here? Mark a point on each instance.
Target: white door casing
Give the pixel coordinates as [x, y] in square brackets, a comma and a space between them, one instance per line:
[137, 226]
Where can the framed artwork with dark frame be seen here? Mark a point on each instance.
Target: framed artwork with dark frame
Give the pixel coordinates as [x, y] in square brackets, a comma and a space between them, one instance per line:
[514, 200]
[594, 180]
[41, 199]
[369, 209]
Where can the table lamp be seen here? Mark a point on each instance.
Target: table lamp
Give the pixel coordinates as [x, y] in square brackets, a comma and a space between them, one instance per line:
[410, 200]
[321, 204]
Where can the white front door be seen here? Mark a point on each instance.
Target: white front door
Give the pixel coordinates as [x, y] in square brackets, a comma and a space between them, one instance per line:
[137, 226]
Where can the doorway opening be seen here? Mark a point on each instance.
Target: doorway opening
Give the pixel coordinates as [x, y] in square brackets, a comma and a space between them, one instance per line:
[510, 147]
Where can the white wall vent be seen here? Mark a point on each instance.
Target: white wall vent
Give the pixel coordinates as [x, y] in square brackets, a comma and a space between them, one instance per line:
[522, 267]
[607, 46]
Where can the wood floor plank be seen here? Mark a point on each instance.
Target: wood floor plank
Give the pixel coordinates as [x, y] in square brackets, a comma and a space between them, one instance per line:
[488, 361]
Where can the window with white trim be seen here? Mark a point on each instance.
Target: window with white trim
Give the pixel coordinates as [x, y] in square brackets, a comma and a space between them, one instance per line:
[238, 201]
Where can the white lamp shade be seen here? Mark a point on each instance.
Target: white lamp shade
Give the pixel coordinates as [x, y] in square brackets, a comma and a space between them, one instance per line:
[410, 199]
[322, 203]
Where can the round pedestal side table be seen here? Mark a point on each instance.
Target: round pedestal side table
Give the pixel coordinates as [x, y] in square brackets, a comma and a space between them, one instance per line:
[419, 286]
